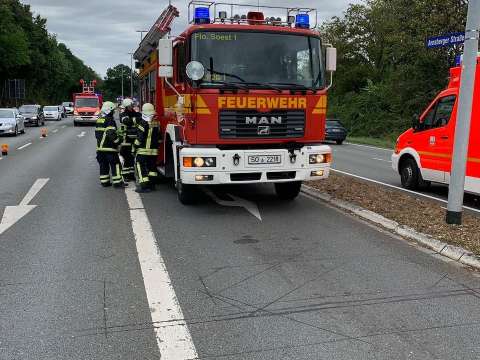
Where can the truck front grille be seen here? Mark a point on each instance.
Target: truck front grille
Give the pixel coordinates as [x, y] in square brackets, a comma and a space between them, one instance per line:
[253, 124]
[83, 113]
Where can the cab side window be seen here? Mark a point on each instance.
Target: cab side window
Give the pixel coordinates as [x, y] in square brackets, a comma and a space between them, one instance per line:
[439, 114]
[444, 111]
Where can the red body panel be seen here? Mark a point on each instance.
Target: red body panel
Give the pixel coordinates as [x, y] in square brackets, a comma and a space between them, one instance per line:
[435, 146]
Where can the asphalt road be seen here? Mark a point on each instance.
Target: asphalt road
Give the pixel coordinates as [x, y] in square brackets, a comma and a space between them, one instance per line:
[375, 164]
[240, 275]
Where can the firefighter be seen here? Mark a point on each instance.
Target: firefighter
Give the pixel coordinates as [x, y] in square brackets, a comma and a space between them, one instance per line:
[146, 149]
[107, 147]
[128, 133]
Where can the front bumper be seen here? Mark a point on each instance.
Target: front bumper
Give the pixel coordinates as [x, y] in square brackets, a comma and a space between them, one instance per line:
[7, 129]
[395, 160]
[85, 119]
[226, 172]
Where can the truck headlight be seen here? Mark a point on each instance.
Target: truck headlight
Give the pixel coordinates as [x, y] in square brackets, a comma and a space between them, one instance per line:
[199, 161]
[319, 158]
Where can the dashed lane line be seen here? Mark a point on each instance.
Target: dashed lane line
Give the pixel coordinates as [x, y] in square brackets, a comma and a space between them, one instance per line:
[55, 131]
[369, 147]
[384, 160]
[24, 146]
[401, 189]
[172, 334]
[82, 134]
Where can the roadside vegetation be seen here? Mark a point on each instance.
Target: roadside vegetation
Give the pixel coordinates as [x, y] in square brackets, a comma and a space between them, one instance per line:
[424, 215]
[385, 73]
[28, 51]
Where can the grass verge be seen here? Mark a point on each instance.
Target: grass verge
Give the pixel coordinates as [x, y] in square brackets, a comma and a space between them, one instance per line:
[424, 215]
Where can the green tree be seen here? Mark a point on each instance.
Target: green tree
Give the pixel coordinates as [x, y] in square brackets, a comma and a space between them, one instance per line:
[28, 51]
[112, 84]
[385, 73]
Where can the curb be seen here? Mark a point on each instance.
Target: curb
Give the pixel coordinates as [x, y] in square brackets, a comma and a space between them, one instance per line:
[455, 253]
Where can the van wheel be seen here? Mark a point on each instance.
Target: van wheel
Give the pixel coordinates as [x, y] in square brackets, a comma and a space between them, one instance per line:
[410, 174]
[186, 193]
[288, 190]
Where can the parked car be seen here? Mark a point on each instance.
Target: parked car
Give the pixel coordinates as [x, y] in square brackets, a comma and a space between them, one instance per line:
[32, 114]
[68, 107]
[11, 122]
[335, 131]
[52, 113]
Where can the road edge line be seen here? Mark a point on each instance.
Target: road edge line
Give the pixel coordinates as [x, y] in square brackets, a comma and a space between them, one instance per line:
[173, 337]
[455, 253]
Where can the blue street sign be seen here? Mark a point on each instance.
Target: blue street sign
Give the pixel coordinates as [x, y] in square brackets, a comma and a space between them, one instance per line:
[445, 40]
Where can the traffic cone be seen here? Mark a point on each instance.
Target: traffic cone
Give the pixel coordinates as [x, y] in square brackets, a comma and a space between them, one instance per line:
[4, 149]
[43, 132]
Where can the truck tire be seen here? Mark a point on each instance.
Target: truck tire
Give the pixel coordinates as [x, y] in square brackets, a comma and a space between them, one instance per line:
[339, 142]
[410, 174]
[288, 190]
[186, 193]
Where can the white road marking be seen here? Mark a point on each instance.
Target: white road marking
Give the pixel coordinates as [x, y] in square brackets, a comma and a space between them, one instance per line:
[369, 146]
[378, 159]
[402, 189]
[173, 337]
[24, 146]
[55, 130]
[12, 214]
[64, 126]
[82, 134]
[251, 207]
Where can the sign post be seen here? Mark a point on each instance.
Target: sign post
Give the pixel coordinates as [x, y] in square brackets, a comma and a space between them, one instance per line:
[462, 127]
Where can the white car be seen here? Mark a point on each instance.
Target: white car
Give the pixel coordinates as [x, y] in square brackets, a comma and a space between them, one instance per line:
[68, 107]
[11, 122]
[52, 113]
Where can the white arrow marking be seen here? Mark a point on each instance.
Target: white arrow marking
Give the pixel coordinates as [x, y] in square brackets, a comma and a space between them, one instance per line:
[82, 134]
[251, 207]
[14, 213]
[24, 146]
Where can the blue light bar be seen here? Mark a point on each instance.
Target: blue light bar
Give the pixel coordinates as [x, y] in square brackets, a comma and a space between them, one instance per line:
[302, 21]
[202, 15]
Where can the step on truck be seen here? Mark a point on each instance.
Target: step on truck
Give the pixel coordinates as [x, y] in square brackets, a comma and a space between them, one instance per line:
[423, 153]
[241, 96]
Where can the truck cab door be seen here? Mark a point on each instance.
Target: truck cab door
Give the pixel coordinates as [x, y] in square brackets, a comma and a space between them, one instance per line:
[445, 124]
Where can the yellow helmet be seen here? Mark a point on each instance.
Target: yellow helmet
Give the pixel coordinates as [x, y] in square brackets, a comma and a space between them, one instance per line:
[148, 109]
[108, 107]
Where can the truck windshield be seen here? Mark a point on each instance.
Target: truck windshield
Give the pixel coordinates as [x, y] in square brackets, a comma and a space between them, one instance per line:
[257, 58]
[86, 102]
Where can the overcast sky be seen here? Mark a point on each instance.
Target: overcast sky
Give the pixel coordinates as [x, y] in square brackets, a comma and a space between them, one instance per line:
[102, 32]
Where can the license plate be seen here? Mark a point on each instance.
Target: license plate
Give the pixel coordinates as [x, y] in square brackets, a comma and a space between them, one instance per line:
[264, 159]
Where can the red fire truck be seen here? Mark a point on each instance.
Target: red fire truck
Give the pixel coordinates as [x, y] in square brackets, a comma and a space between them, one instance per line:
[423, 154]
[241, 97]
[87, 104]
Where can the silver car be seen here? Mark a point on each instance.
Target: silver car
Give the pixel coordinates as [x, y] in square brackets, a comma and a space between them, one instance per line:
[52, 113]
[11, 122]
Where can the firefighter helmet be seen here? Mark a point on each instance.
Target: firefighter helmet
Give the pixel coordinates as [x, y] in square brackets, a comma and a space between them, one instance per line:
[148, 109]
[108, 107]
[127, 102]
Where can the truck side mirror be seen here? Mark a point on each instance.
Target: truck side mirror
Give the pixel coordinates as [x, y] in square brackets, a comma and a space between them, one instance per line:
[331, 59]
[416, 122]
[165, 58]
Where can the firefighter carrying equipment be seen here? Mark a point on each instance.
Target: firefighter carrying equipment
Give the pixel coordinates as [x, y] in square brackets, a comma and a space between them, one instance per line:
[128, 135]
[146, 150]
[107, 151]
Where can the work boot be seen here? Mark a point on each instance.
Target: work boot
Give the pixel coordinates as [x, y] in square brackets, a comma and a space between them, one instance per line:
[106, 184]
[141, 190]
[120, 185]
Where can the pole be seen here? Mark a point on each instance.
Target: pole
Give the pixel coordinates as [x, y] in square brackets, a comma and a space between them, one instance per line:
[131, 75]
[462, 127]
[122, 83]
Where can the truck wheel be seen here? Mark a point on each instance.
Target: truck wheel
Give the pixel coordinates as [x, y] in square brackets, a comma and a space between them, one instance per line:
[186, 193]
[288, 190]
[339, 142]
[410, 174]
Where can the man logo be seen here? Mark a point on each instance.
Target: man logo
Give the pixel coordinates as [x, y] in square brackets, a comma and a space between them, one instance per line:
[263, 130]
[263, 120]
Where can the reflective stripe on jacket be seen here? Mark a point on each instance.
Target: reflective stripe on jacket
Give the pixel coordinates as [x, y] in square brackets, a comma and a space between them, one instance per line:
[106, 135]
[148, 138]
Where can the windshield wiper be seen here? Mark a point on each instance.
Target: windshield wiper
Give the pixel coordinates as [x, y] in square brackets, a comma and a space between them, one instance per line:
[225, 84]
[267, 85]
[296, 86]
